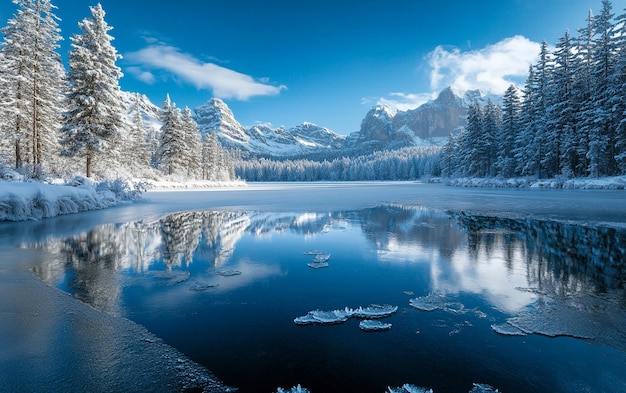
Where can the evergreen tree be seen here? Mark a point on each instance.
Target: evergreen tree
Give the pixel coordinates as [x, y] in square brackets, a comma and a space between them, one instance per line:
[562, 110]
[601, 124]
[94, 118]
[525, 153]
[506, 163]
[172, 140]
[136, 149]
[491, 130]
[583, 65]
[32, 81]
[618, 97]
[193, 145]
[471, 147]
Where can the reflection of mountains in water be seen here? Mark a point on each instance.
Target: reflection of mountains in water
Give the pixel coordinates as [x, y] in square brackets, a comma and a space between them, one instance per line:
[561, 257]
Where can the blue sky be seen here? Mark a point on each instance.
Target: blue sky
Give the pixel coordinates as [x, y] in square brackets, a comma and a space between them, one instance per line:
[328, 62]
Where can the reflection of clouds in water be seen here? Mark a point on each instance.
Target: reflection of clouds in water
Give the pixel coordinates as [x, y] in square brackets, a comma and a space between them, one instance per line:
[487, 276]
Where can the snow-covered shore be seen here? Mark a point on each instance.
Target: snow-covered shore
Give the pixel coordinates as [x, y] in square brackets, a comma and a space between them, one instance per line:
[603, 183]
[21, 201]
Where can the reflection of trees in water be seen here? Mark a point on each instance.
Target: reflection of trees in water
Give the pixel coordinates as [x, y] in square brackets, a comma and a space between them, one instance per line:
[402, 225]
[561, 258]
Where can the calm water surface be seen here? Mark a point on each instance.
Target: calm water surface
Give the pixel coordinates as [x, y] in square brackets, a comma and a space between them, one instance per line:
[522, 305]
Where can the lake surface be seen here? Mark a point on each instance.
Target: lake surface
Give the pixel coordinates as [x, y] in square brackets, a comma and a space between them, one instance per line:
[523, 304]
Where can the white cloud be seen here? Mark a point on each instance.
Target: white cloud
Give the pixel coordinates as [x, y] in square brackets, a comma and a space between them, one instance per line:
[491, 69]
[144, 76]
[405, 101]
[224, 82]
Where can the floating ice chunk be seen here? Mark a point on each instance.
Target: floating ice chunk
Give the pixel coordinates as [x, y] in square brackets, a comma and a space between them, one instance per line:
[368, 325]
[313, 252]
[373, 311]
[321, 257]
[295, 389]
[201, 286]
[319, 317]
[483, 388]
[454, 308]
[555, 319]
[506, 329]
[317, 265]
[407, 388]
[170, 277]
[430, 302]
[228, 273]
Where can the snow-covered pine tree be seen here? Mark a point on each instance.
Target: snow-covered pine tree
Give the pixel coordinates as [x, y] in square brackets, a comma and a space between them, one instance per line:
[600, 117]
[449, 158]
[526, 155]
[135, 147]
[94, 118]
[193, 145]
[491, 130]
[172, 140]
[33, 80]
[511, 108]
[562, 110]
[471, 147]
[583, 66]
[544, 140]
[618, 98]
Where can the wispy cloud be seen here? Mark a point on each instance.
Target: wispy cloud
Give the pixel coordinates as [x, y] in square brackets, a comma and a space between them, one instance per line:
[405, 101]
[224, 82]
[491, 69]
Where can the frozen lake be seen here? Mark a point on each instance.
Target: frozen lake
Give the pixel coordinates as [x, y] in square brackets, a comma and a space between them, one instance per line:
[519, 289]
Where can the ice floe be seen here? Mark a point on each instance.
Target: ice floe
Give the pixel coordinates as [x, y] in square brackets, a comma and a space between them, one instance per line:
[317, 265]
[408, 388]
[483, 388]
[319, 317]
[228, 273]
[170, 277]
[320, 260]
[506, 329]
[369, 325]
[430, 302]
[295, 389]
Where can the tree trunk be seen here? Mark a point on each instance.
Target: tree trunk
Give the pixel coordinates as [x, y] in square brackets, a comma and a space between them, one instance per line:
[88, 169]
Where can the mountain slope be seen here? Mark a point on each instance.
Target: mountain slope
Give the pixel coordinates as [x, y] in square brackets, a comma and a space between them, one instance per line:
[426, 125]
[216, 117]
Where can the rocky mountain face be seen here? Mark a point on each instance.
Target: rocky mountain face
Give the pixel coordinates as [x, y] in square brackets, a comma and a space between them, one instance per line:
[307, 138]
[381, 129]
[428, 124]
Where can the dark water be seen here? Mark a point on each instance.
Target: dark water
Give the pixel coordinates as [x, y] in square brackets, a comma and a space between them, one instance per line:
[225, 287]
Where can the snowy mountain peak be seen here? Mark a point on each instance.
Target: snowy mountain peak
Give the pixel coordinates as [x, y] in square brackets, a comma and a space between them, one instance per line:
[215, 117]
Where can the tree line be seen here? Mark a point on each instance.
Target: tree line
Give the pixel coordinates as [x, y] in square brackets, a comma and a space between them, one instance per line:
[568, 121]
[410, 163]
[50, 119]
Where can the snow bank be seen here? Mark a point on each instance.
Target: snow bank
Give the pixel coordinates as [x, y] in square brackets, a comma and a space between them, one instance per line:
[604, 183]
[21, 201]
[158, 185]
